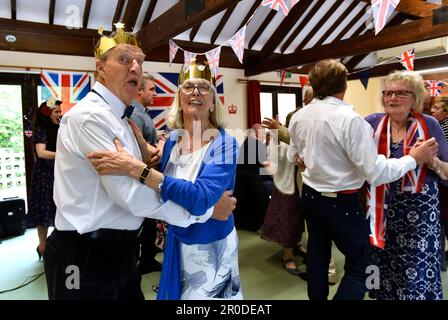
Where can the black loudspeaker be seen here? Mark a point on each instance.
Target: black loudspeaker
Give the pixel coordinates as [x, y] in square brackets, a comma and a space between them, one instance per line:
[12, 217]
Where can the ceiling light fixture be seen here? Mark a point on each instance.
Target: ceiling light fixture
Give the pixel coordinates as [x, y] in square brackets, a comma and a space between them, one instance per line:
[10, 38]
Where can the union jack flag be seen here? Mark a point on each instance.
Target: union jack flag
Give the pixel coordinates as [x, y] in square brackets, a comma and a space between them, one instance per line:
[69, 87]
[237, 43]
[407, 59]
[276, 4]
[188, 57]
[213, 60]
[173, 50]
[434, 87]
[166, 88]
[382, 10]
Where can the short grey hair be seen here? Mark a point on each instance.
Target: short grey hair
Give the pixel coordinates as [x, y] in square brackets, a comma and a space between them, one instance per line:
[175, 120]
[145, 78]
[414, 80]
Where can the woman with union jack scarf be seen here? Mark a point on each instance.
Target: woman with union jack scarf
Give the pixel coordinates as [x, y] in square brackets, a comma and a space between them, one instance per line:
[404, 215]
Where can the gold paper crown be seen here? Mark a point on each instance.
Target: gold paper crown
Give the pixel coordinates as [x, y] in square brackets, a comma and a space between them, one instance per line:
[120, 36]
[196, 71]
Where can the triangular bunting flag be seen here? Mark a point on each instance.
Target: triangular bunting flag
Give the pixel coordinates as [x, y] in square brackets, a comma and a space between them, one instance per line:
[237, 43]
[173, 50]
[276, 4]
[407, 59]
[213, 60]
[188, 56]
[303, 80]
[364, 77]
[283, 75]
[382, 10]
[434, 87]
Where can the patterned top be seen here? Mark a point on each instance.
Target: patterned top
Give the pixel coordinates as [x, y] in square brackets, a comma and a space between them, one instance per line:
[444, 126]
[434, 131]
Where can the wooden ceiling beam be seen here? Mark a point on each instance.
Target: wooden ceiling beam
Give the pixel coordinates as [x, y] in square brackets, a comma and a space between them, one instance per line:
[422, 30]
[44, 38]
[261, 28]
[302, 24]
[350, 25]
[117, 14]
[419, 64]
[149, 12]
[416, 8]
[85, 19]
[337, 23]
[283, 29]
[354, 61]
[175, 21]
[13, 10]
[51, 11]
[223, 22]
[131, 14]
[249, 14]
[317, 27]
[194, 31]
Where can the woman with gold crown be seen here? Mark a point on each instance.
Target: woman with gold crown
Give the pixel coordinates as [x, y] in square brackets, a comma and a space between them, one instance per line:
[199, 162]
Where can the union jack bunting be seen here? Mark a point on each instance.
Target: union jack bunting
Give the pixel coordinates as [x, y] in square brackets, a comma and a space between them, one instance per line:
[237, 43]
[69, 87]
[276, 4]
[188, 56]
[382, 10]
[293, 3]
[173, 50]
[407, 59]
[166, 88]
[213, 60]
[434, 87]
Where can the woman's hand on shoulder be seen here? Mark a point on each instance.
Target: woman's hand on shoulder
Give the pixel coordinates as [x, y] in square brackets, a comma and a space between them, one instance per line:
[118, 163]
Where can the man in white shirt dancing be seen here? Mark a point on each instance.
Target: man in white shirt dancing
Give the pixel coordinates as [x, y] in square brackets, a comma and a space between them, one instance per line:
[91, 253]
[339, 155]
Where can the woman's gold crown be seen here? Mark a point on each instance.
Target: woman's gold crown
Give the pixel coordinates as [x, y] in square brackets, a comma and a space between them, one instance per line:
[106, 43]
[196, 71]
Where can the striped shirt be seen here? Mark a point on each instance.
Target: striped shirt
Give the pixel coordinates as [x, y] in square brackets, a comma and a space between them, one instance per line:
[444, 125]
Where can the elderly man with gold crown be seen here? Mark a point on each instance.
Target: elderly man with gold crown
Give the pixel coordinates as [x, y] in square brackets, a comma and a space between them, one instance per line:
[91, 252]
[199, 161]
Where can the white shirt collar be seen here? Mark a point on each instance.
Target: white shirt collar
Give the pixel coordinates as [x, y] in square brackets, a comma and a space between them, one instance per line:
[116, 105]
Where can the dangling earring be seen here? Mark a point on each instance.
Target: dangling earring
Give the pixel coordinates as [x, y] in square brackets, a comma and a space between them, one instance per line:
[212, 109]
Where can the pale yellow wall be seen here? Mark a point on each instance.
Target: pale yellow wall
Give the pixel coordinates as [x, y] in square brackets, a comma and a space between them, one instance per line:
[365, 101]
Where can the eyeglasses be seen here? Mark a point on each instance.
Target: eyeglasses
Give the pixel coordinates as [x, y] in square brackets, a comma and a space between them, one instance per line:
[398, 93]
[203, 88]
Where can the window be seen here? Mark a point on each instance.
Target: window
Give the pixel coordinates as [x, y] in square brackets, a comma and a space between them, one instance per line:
[279, 101]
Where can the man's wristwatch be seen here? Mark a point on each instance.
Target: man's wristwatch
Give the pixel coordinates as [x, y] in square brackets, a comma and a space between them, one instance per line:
[145, 174]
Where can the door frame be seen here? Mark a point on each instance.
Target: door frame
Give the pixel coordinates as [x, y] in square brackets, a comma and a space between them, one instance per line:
[29, 83]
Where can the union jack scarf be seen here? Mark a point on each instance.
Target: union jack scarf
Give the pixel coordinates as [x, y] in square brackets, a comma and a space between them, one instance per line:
[413, 181]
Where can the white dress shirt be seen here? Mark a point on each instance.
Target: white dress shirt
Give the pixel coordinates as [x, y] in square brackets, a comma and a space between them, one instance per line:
[338, 148]
[86, 201]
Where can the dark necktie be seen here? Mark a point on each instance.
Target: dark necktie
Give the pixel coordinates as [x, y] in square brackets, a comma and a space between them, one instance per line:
[128, 112]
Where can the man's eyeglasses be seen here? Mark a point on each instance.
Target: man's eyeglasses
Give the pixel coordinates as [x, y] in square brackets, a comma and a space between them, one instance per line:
[203, 88]
[398, 93]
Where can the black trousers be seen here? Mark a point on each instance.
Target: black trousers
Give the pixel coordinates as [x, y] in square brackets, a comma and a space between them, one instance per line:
[81, 267]
[146, 247]
[342, 221]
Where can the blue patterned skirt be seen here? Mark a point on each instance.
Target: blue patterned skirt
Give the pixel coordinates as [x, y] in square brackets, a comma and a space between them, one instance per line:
[409, 265]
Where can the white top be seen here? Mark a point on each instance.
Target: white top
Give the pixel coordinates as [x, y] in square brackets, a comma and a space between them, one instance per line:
[86, 201]
[337, 146]
[185, 166]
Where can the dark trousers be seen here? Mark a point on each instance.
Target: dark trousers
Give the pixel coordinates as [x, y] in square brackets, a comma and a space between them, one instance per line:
[146, 247]
[79, 267]
[342, 221]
